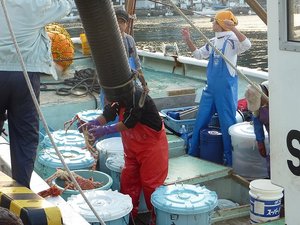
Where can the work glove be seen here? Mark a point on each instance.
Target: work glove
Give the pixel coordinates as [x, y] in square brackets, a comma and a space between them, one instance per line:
[111, 111]
[100, 131]
[90, 124]
[262, 149]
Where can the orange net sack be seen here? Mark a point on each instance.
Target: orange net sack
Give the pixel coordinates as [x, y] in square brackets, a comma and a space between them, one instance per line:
[62, 46]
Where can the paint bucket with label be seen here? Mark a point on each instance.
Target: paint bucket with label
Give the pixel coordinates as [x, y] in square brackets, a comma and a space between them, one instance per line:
[265, 201]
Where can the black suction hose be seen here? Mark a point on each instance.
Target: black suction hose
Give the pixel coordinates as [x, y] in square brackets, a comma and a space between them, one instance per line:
[107, 48]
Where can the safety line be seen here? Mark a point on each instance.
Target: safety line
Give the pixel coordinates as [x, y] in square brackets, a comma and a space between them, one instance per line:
[41, 114]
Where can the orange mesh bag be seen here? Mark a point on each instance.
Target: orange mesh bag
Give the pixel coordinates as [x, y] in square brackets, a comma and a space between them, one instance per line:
[57, 27]
[62, 49]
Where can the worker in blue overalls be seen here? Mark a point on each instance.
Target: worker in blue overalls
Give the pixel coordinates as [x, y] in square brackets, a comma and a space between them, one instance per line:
[221, 92]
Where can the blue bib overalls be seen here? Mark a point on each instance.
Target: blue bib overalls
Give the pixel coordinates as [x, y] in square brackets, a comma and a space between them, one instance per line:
[220, 95]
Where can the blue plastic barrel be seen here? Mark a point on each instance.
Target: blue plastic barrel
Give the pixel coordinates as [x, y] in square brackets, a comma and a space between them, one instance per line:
[211, 145]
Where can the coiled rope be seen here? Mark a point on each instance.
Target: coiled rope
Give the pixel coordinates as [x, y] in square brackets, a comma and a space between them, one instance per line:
[35, 101]
[83, 83]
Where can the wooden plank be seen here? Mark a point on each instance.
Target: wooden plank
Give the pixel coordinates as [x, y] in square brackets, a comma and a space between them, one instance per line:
[182, 91]
[258, 9]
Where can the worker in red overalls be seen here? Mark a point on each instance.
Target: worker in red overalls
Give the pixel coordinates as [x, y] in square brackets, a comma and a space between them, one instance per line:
[145, 145]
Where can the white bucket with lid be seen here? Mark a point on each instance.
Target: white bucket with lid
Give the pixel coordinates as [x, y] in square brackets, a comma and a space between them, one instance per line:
[116, 163]
[62, 138]
[76, 158]
[246, 160]
[184, 204]
[112, 206]
[89, 115]
[108, 147]
[265, 201]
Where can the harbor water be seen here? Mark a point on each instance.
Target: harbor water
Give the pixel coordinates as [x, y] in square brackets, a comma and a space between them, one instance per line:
[151, 32]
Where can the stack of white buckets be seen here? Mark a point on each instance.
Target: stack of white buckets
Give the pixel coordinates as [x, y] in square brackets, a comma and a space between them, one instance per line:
[111, 159]
[70, 145]
[112, 206]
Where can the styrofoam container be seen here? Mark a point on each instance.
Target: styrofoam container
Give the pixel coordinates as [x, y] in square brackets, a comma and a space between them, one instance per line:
[265, 201]
[75, 157]
[184, 204]
[246, 160]
[106, 148]
[63, 138]
[97, 176]
[112, 207]
[116, 163]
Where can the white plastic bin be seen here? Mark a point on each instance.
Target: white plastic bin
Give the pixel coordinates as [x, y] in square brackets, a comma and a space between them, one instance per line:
[108, 147]
[246, 160]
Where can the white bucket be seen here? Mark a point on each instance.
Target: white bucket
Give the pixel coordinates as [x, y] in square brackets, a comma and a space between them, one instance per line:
[112, 206]
[246, 160]
[265, 201]
[184, 204]
[108, 147]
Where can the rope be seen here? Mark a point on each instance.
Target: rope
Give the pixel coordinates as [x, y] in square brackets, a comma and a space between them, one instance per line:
[220, 53]
[83, 83]
[35, 101]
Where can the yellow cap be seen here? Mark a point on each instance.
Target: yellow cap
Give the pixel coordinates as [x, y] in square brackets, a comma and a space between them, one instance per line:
[225, 15]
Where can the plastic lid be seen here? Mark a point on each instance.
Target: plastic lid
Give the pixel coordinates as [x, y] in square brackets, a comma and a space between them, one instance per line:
[264, 186]
[74, 157]
[89, 114]
[184, 199]
[61, 138]
[112, 145]
[115, 162]
[244, 129]
[110, 205]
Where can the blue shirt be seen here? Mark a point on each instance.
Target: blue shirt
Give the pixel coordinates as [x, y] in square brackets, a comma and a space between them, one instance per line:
[28, 19]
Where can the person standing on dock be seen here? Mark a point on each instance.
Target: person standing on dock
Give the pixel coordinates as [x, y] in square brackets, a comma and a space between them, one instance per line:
[259, 106]
[221, 92]
[28, 19]
[131, 51]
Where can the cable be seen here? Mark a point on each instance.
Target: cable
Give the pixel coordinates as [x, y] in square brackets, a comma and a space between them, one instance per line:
[35, 101]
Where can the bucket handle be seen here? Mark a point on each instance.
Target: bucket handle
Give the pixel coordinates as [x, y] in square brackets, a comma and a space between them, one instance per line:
[256, 196]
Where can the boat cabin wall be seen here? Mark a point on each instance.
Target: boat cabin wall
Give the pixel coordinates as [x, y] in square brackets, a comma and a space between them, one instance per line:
[284, 108]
